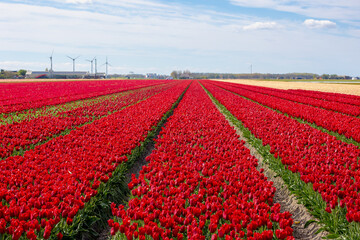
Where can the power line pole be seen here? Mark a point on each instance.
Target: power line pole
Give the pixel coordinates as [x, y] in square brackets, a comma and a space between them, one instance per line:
[51, 64]
[95, 67]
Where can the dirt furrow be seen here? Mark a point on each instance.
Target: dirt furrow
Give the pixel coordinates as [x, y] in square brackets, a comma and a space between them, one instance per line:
[283, 196]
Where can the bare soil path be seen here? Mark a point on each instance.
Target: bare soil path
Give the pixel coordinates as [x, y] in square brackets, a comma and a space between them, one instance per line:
[284, 197]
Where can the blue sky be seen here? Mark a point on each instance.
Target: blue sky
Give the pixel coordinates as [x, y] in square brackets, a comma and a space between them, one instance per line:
[142, 36]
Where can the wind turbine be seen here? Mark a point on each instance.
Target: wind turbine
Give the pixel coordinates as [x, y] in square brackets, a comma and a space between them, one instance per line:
[95, 66]
[73, 59]
[107, 64]
[51, 64]
[91, 61]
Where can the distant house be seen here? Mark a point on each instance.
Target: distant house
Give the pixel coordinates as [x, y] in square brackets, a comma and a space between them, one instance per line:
[47, 74]
[37, 74]
[151, 76]
[345, 77]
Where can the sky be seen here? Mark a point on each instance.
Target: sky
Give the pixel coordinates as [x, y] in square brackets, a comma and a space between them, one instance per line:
[158, 36]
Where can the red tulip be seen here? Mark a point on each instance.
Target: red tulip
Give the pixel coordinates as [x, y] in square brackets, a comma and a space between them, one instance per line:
[200, 171]
[329, 164]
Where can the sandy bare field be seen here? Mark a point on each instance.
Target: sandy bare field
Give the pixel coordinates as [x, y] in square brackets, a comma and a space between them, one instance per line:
[353, 89]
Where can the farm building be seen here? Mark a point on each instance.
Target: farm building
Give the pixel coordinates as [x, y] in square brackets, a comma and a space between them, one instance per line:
[60, 74]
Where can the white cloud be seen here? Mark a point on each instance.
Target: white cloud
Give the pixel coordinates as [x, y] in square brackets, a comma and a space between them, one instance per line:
[13, 65]
[79, 1]
[44, 28]
[141, 35]
[261, 26]
[330, 9]
[355, 32]
[312, 23]
[101, 4]
[137, 3]
[254, 3]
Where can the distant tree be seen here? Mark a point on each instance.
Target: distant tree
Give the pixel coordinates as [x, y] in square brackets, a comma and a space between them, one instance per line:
[325, 76]
[185, 74]
[333, 76]
[174, 74]
[22, 72]
[6, 74]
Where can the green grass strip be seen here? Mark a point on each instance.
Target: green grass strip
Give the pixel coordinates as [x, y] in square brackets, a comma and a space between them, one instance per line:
[335, 222]
[54, 110]
[338, 136]
[91, 220]
[67, 131]
[13, 117]
[294, 101]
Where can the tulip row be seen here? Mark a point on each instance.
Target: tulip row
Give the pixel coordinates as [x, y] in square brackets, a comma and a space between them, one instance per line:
[329, 164]
[333, 105]
[42, 191]
[335, 97]
[53, 110]
[340, 123]
[21, 96]
[22, 136]
[201, 182]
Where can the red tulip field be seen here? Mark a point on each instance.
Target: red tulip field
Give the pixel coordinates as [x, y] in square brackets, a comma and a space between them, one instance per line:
[169, 159]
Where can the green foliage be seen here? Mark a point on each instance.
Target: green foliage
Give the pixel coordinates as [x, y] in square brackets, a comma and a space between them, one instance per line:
[247, 75]
[181, 74]
[335, 134]
[7, 74]
[93, 218]
[22, 72]
[335, 222]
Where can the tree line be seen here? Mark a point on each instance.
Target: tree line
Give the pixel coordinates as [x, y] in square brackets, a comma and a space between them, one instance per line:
[189, 75]
[12, 74]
